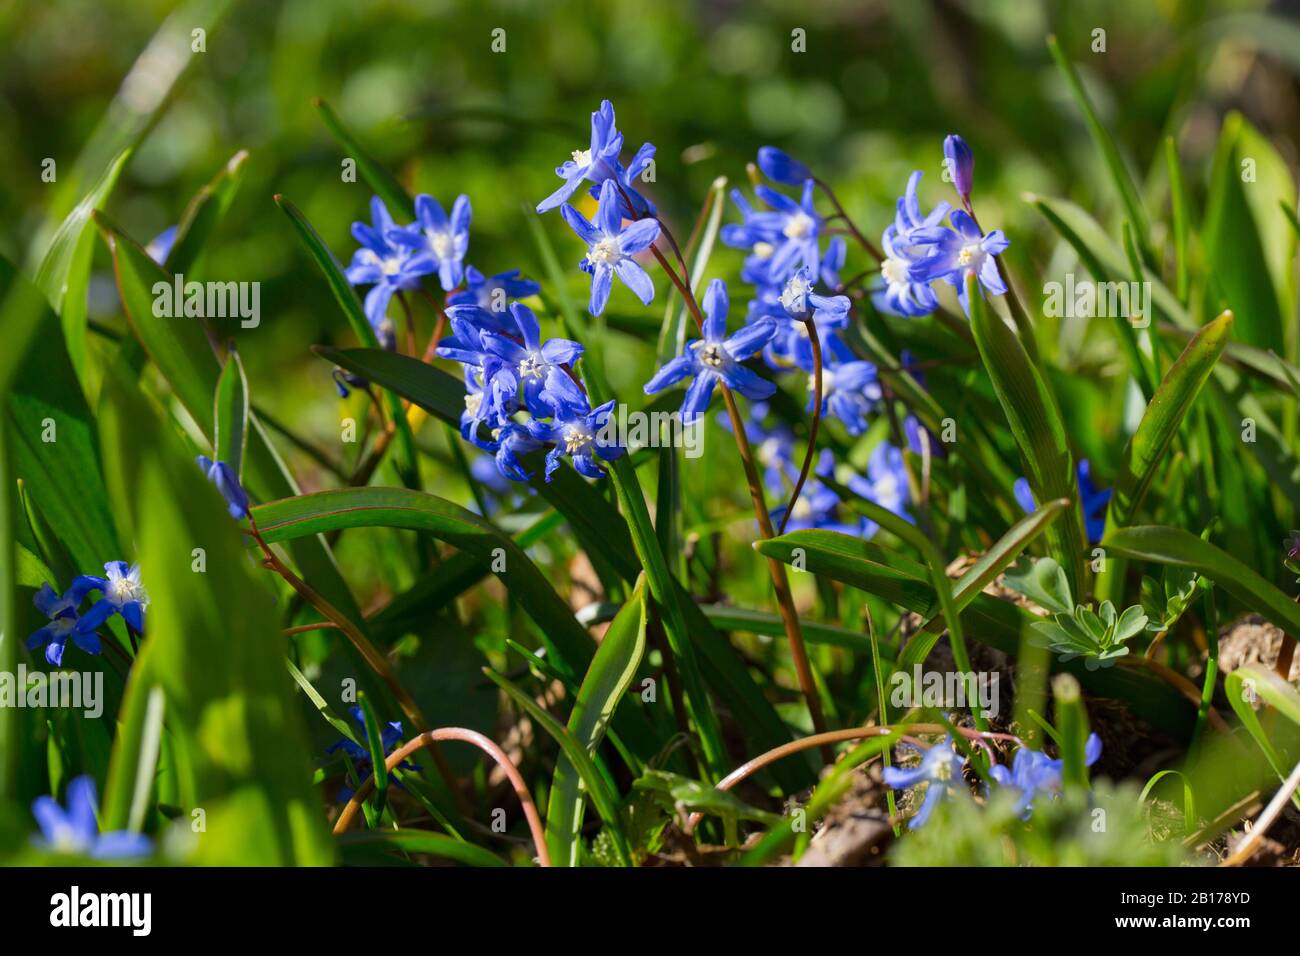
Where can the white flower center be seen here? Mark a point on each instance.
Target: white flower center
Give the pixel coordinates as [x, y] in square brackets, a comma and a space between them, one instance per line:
[711, 355]
[802, 509]
[124, 588]
[828, 382]
[767, 451]
[895, 271]
[799, 226]
[795, 295]
[582, 157]
[764, 250]
[971, 255]
[533, 366]
[606, 251]
[443, 244]
[575, 439]
[390, 266]
[943, 770]
[472, 403]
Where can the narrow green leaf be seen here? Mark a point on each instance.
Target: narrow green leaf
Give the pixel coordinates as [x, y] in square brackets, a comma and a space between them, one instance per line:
[1119, 174]
[203, 214]
[375, 173]
[605, 801]
[608, 677]
[64, 272]
[1182, 549]
[375, 744]
[230, 415]
[1035, 422]
[1155, 433]
[1250, 683]
[358, 847]
[1248, 242]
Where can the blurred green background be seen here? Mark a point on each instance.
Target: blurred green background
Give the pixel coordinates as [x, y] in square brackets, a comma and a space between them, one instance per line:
[869, 99]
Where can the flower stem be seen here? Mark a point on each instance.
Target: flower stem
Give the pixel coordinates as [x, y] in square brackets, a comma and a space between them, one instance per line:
[429, 739]
[780, 583]
[816, 343]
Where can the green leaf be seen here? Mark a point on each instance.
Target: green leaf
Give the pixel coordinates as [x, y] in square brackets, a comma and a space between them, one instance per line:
[215, 651]
[1119, 174]
[1182, 549]
[608, 677]
[204, 212]
[8, 617]
[991, 620]
[1248, 243]
[360, 846]
[64, 272]
[375, 173]
[375, 744]
[1149, 445]
[1250, 683]
[230, 415]
[356, 316]
[605, 801]
[1035, 421]
[600, 527]
[326, 511]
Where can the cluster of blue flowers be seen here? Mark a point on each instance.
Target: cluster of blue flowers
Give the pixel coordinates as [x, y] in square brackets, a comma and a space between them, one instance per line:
[1032, 773]
[121, 593]
[390, 737]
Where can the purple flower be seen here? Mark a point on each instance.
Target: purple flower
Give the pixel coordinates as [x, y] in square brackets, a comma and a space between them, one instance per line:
[62, 613]
[797, 303]
[387, 266]
[962, 251]
[493, 293]
[611, 246]
[959, 159]
[1033, 772]
[782, 168]
[512, 441]
[595, 163]
[940, 770]
[123, 592]
[577, 431]
[850, 393]
[1092, 499]
[441, 239]
[794, 229]
[76, 830]
[527, 365]
[716, 359]
[227, 482]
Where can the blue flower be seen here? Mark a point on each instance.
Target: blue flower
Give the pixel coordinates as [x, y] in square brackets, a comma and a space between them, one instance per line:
[794, 228]
[62, 612]
[493, 293]
[959, 159]
[595, 163]
[438, 238]
[500, 404]
[610, 247]
[898, 291]
[512, 441]
[380, 262]
[885, 484]
[716, 359]
[76, 830]
[390, 737]
[773, 447]
[526, 364]
[962, 251]
[1092, 499]
[227, 482]
[790, 344]
[631, 204]
[818, 506]
[837, 251]
[782, 168]
[940, 770]
[850, 392]
[160, 246]
[123, 594]
[576, 430]
[491, 385]
[757, 236]
[1033, 772]
[345, 381]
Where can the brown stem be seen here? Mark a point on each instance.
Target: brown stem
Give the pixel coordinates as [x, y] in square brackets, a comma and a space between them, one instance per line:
[825, 740]
[1285, 654]
[853, 230]
[367, 650]
[429, 739]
